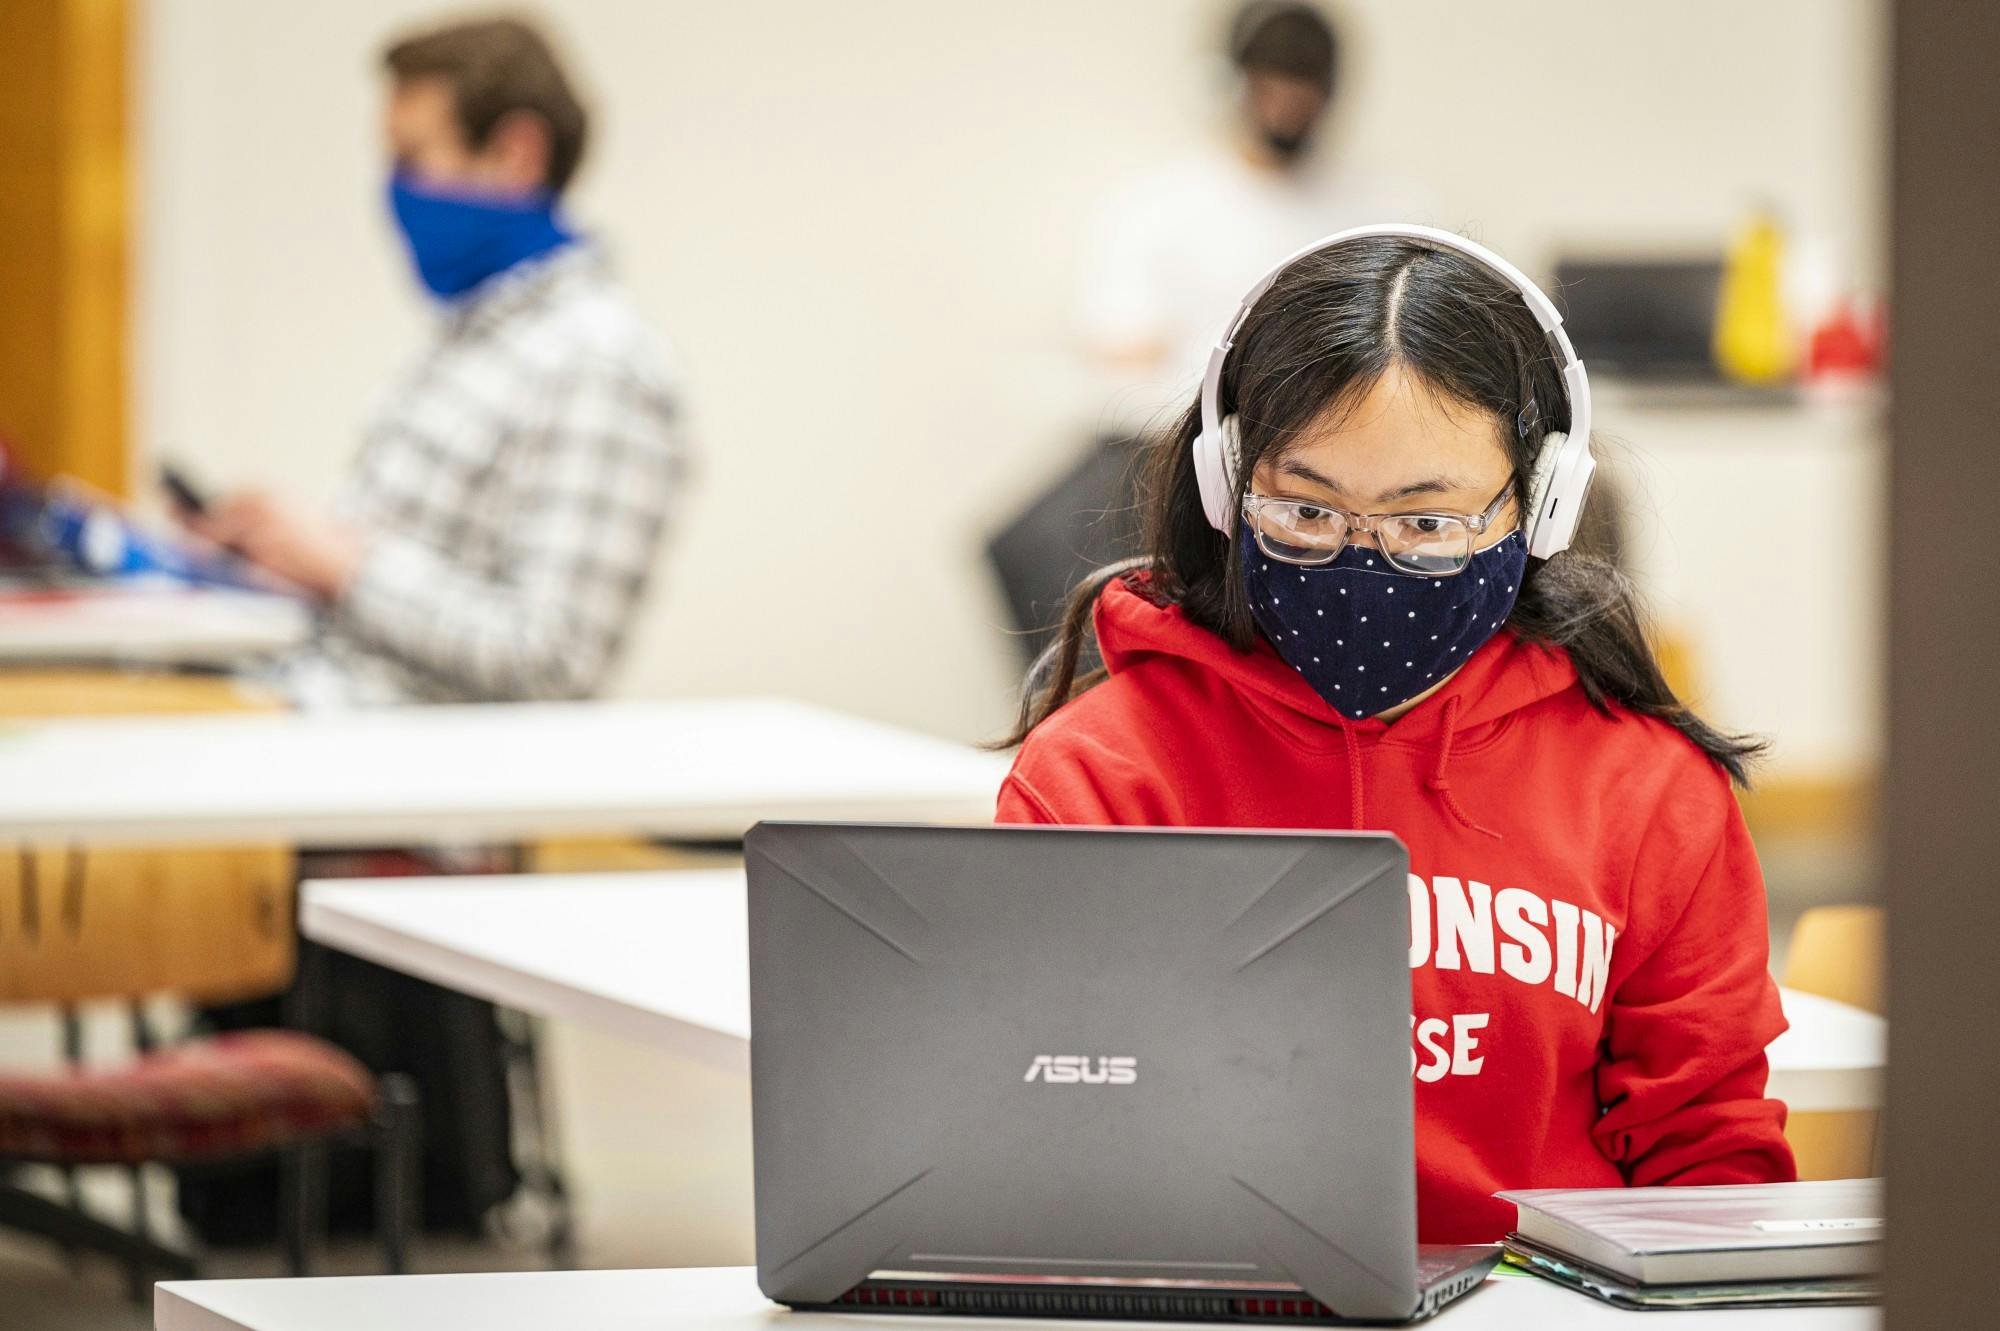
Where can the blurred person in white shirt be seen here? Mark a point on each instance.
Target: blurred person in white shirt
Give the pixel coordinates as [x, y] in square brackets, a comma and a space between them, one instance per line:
[1170, 252]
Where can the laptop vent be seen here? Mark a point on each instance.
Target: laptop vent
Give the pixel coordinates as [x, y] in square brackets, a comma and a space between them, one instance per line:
[1017, 1301]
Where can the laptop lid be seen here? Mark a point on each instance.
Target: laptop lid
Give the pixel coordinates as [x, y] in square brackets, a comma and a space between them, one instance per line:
[1643, 319]
[1082, 1054]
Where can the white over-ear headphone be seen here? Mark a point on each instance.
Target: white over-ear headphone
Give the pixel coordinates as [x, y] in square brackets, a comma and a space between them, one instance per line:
[1561, 478]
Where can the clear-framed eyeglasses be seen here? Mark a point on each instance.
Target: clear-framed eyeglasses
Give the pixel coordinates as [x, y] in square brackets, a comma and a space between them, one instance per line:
[1431, 545]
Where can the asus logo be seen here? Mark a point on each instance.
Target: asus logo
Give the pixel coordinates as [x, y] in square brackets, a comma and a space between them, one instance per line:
[1068, 1069]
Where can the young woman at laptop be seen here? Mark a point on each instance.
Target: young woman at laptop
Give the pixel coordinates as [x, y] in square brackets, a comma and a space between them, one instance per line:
[1358, 610]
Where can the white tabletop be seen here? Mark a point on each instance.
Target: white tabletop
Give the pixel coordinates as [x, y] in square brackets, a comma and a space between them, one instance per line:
[148, 624]
[663, 957]
[659, 957]
[727, 1299]
[502, 772]
[1832, 1057]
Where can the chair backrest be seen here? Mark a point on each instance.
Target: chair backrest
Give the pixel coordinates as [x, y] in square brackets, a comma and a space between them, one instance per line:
[208, 923]
[1084, 520]
[1836, 952]
[211, 923]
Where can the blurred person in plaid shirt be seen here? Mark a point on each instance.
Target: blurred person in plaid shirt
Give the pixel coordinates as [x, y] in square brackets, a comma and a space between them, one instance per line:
[509, 499]
[492, 544]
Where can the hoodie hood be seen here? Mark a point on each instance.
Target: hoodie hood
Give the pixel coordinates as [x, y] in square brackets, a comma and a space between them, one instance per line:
[1504, 676]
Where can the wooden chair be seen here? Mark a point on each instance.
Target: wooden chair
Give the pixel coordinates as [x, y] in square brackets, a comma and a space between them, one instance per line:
[1837, 952]
[131, 924]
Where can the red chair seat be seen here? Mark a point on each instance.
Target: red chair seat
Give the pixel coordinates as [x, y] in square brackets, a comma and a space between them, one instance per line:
[231, 1095]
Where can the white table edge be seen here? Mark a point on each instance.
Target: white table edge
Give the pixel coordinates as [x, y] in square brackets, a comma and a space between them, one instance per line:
[717, 822]
[727, 1295]
[176, 1308]
[188, 1305]
[323, 922]
[1826, 1090]
[213, 653]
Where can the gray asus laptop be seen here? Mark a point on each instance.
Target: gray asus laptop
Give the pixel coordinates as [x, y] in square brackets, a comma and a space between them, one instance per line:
[1014, 1071]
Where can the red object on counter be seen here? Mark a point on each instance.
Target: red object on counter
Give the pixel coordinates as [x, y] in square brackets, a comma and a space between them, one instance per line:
[1844, 345]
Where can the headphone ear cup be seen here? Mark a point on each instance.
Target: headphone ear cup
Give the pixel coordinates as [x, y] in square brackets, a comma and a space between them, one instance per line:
[1215, 459]
[1556, 491]
[1538, 481]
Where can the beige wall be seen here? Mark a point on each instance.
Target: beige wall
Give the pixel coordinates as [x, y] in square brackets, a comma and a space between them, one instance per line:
[859, 223]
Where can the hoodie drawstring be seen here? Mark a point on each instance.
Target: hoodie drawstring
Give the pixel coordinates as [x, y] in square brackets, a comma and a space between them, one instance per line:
[1356, 791]
[1439, 783]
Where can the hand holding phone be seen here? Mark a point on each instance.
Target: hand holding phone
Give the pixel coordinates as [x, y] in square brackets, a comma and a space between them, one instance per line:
[187, 497]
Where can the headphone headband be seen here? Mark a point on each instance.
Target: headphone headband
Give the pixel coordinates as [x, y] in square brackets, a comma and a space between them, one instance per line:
[1569, 473]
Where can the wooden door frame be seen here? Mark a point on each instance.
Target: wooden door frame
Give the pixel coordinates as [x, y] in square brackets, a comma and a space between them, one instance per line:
[65, 168]
[1941, 821]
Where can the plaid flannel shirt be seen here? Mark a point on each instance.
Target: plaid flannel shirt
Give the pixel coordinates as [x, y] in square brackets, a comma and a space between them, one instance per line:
[514, 489]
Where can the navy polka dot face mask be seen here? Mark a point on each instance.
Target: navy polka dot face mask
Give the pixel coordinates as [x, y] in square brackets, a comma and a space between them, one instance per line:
[1367, 637]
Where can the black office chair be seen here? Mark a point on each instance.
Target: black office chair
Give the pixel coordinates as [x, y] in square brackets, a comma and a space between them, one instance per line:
[1087, 518]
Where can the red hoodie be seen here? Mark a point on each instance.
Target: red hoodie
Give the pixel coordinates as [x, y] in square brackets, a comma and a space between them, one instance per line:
[1588, 945]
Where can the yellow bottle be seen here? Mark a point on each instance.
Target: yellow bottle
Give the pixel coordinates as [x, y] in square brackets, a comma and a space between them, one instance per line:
[1753, 339]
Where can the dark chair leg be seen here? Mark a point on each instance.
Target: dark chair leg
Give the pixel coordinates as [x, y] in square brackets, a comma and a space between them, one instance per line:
[398, 1168]
[77, 1230]
[144, 1041]
[303, 1006]
[142, 1229]
[72, 1051]
[302, 1202]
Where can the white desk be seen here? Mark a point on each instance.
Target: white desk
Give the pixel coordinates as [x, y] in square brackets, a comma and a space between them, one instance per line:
[727, 1299]
[1833, 1056]
[663, 958]
[430, 775]
[148, 624]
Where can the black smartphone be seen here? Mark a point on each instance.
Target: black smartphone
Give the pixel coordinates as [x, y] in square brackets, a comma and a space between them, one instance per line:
[186, 495]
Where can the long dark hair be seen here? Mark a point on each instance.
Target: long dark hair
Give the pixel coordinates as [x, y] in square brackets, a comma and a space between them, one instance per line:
[1326, 331]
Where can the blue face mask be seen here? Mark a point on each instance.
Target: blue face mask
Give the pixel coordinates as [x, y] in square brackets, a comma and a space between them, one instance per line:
[459, 240]
[1368, 638]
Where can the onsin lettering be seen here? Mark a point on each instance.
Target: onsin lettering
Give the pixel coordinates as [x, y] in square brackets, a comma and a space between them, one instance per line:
[1468, 926]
